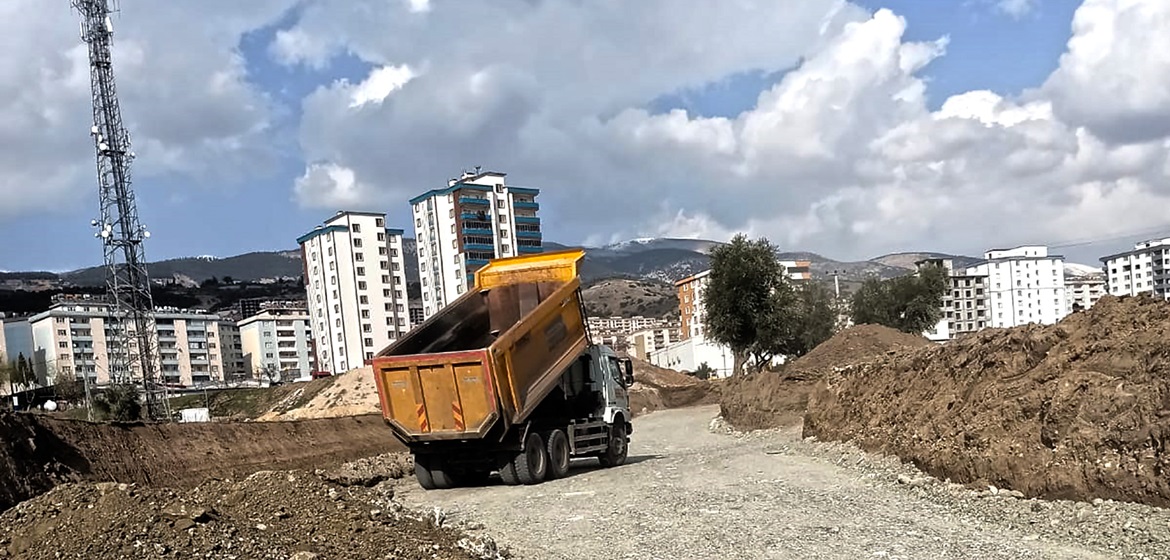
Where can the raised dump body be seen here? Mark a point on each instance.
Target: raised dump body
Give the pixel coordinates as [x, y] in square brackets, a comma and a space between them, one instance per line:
[492, 354]
[504, 379]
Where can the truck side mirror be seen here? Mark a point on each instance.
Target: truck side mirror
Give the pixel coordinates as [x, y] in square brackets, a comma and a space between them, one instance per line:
[628, 365]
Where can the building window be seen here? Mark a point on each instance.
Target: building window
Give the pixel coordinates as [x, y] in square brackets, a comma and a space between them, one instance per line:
[358, 257]
[357, 242]
[364, 300]
[361, 285]
[504, 233]
[361, 271]
[385, 266]
[379, 222]
[381, 250]
[367, 328]
[365, 314]
[357, 228]
[368, 342]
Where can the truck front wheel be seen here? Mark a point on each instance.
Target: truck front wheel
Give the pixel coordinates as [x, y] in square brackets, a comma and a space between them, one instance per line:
[615, 454]
[531, 464]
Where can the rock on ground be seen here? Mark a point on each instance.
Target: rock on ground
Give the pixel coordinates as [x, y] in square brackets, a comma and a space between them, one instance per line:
[695, 489]
[1080, 409]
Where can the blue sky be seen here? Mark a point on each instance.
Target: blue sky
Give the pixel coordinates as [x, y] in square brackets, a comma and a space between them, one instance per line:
[195, 216]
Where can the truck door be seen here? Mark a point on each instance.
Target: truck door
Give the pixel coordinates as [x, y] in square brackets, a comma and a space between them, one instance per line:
[617, 396]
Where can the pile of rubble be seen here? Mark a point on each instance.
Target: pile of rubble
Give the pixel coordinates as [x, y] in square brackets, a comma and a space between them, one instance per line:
[270, 514]
[352, 393]
[656, 388]
[1078, 410]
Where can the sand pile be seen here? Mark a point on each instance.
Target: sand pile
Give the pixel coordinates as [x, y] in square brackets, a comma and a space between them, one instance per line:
[773, 399]
[1076, 410]
[352, 393]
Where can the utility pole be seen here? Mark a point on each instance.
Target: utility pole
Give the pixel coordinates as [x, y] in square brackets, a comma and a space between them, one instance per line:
[118, 228]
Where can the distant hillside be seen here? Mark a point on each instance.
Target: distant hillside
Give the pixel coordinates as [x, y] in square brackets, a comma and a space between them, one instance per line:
[248, 267]
[907, 260]
[612, 297]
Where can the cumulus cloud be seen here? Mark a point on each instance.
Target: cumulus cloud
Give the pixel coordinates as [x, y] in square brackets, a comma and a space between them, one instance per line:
[1016, 8]
[841, 155]
[185, 97]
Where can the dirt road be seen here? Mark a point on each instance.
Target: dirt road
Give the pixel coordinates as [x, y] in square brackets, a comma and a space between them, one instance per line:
[692, 490]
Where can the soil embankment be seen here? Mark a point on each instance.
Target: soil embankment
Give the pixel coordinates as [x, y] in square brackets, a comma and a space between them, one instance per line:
[1077, 410]
[773, 399]
[658, 388]
[39, 452]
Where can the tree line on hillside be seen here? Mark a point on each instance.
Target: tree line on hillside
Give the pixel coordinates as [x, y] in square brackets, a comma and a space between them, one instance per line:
[760, 314]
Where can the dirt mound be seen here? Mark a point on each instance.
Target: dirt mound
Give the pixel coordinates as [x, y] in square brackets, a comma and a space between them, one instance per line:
[39, 452]
[352, 393]
[269, 514]
[252, 402]
[851, 346]
[773, 399]
[1076, 410]
[657, 388]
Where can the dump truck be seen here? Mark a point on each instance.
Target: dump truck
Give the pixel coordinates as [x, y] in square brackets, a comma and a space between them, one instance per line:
[504, 379]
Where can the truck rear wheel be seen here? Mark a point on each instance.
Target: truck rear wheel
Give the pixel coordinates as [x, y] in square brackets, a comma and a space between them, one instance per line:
[423, 475]
[558, 454]
[432, 474]
[615, 454]
[531, 464]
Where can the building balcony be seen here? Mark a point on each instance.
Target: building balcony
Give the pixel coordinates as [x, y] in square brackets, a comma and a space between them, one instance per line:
[526, 205]
[476, 262]
[527, 220]
[474, 200]
[474, 216]
[476, 231]
[529, 249]
[81, 335]
[528, 234]
[478, 247]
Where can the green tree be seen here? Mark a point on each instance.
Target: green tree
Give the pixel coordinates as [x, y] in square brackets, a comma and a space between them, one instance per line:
[119, 402]
[23, 376]
[7, 371]
[815, 317]
[704, 371]
[911, 303]
[749, 302]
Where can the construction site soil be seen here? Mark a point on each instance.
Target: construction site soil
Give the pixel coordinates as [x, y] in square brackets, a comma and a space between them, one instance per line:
[658, 388]
[294, 514]
[1077, 410]
[773, 399]
[38, 452]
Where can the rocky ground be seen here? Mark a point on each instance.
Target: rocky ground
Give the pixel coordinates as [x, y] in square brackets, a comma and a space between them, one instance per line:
[695, 489]
[350, 512]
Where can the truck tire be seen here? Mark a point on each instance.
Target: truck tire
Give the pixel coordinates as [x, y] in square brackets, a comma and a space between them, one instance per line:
[558, 454]
[508, 473]
[618, 448]
[531, 464]
[423, 475]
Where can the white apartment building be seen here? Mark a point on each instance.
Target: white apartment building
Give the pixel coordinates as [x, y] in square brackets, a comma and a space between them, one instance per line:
[231, 351]
[75, 337]
[644, 342]
[355, 283]
[965, 303]
[477, 217]
[1146, 268]
[627, 325]
[1084, 291]
[1024, 285]
[277, 339]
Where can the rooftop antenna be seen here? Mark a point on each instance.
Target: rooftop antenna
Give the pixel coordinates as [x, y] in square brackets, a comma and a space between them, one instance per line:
[118, 228]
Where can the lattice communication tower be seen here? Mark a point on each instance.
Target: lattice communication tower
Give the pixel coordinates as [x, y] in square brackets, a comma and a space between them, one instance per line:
[132, 348]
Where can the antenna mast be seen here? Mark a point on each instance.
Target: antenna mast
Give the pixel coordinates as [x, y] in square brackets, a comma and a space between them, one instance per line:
[132, 345]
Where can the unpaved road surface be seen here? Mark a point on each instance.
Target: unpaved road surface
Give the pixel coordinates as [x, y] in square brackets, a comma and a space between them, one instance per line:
[693, 490]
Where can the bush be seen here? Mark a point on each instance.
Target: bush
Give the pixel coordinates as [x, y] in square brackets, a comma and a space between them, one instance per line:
[119, 403]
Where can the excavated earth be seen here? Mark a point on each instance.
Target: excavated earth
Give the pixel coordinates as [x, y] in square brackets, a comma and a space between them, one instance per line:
[657, 388]
[37, 452]
[296, 514]
[1077, 410]
[774, 399]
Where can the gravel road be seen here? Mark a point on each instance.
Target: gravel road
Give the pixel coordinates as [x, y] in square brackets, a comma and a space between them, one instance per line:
[695, 489]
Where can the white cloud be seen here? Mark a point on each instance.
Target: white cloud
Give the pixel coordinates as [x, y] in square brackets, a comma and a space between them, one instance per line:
[184, 94]
[1017, 8]
[843, 155]
[335, 186]
[381, 82]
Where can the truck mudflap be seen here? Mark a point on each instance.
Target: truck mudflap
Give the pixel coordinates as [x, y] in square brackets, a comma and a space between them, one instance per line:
[437, 396]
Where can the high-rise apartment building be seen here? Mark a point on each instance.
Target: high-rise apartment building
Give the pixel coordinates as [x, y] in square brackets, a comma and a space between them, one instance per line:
[477, 217]
[355, 283]
[964, 305]
[75, 337]
[1084, 290]
[690, 304]
[1024, 285]
[1145, 268]
[231, 352]
[277, 340]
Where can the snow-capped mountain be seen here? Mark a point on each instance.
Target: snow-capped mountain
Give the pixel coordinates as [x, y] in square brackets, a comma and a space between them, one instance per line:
[1075, 269]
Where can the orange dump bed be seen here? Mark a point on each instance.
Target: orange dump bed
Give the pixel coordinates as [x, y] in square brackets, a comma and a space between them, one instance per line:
[491, 355]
